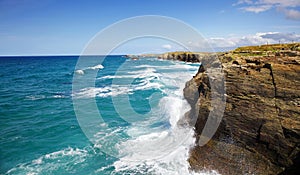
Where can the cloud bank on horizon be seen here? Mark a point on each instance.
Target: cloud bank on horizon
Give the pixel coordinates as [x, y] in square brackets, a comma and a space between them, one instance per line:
[290, 8]
[256, 39]
[225, 44]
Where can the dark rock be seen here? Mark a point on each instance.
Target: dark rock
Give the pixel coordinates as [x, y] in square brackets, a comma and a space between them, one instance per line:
[260, 129]
[235, 62]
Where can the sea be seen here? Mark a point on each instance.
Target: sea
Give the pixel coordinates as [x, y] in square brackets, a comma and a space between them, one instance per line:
[138, 106]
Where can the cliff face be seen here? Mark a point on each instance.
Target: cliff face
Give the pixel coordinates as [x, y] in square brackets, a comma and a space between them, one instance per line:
[260, 129]
[183, 56]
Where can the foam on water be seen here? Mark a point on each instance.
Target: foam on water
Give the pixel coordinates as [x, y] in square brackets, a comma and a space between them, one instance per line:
[79, 72]
[148, 79]
[51, 162]
[96, 67]
[41, 97]
[164, 151]
[114, 90]
[156, 145]
[115, 77]
[99, 66]
[92, 92]
[151, 150]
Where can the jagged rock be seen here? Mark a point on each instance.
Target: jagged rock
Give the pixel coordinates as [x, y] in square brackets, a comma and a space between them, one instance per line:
[184, 56]
[260, 129]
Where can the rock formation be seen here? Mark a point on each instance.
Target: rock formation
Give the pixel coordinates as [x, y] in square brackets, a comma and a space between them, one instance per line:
[260, 129]
[183, 56]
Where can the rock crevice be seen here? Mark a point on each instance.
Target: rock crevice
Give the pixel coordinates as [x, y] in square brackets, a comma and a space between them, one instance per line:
[260, 129]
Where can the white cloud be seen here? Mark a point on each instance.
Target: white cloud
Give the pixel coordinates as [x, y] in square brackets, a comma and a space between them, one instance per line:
[234, 41]
[290, 13]
[257, 9]
[283, 37]
[283, 3]
[287, 7]
[256, 39]
[167, 46]
[243, 2]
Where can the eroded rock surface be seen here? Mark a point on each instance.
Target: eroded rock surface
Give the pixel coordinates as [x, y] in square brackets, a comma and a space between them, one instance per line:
[260, 129]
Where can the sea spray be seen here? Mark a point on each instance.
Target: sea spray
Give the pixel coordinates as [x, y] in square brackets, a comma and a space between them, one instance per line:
[42, 129]
[166, 150]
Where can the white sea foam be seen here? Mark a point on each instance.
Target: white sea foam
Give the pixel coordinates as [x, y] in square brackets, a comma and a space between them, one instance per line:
[114, 90]
[59, 96]
[41, 97]
[182, 66]
[144, 72]
[148, 79]
[99, 66]
[35, 97]
[82, 71]
[92, 92]
[116, 77]
[146, 66]
[79, 72]
[163, 151]
[51, 162]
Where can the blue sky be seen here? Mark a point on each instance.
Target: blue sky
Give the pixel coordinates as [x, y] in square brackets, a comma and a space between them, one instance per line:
[47, 27]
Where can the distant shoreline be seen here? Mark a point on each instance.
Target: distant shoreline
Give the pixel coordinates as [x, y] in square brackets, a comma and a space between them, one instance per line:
[257, 48]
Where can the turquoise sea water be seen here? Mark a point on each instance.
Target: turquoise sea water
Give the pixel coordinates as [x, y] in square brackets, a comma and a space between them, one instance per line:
[139, 102]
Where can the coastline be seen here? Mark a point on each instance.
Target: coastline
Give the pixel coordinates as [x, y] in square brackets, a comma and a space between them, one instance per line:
[260, 129]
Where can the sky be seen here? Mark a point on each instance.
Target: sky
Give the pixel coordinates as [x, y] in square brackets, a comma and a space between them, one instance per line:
[53, 27]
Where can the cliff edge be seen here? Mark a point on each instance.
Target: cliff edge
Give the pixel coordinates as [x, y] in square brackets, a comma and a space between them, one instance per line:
[260, 129]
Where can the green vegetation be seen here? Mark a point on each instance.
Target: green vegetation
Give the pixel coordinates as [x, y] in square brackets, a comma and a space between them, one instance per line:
[269, 47]
[247, 52]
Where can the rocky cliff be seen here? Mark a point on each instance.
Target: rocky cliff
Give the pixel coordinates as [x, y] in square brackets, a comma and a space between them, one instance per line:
[183, 56]
[260, 129]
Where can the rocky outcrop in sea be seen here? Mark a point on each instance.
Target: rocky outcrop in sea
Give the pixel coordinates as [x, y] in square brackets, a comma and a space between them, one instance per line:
[260, 129]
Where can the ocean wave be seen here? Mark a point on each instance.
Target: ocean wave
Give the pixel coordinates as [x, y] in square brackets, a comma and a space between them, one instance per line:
[146, 66]
[129, 83]
[82, 71]
[59, 96]
[162, 151]
[144, 79]
[35, 97]
[143, 71]
[99, 66]
[79, 72]
[116, 77]
[141, 74]
[115, 90]
[182, 66]
[148, 85]
[49, 163]
[42, 97]
[92, 92]
[150, 150]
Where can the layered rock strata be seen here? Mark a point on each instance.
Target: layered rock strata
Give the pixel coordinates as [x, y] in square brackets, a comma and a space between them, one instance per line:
[260, 129]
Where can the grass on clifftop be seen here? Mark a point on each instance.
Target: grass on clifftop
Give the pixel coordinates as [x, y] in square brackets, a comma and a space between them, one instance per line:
[261, 50]
[270, 47]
